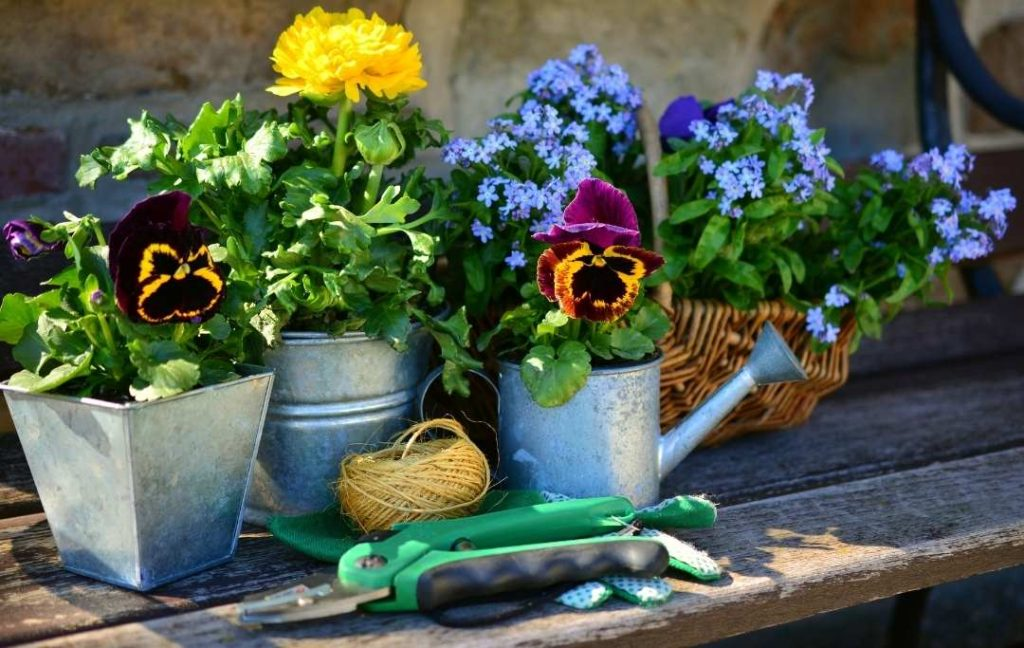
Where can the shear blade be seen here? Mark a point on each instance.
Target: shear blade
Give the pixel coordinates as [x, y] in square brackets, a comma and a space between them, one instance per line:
[317, 597]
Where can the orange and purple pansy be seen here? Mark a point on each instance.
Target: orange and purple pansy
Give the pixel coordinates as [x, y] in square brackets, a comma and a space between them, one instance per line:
[162, 270]
[595, 265]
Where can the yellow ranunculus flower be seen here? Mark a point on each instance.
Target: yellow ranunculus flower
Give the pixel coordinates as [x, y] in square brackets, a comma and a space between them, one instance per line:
[325, 56]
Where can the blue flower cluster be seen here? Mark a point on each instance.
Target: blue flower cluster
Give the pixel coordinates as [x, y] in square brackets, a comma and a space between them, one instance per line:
[822, 330]
[564, 99]
[780, 106]
[968, 224]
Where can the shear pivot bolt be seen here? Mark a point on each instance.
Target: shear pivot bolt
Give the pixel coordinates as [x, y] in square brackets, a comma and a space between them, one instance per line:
[373, 561]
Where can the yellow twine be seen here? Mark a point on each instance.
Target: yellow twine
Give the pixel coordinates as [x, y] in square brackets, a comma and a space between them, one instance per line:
[411, 480]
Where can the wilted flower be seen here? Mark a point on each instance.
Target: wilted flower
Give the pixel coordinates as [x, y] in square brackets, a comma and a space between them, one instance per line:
[162, 270]
[25, 239]
[326, 56]
[600, 214]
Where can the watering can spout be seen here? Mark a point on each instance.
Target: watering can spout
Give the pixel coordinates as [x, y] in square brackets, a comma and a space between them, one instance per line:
[771, 361]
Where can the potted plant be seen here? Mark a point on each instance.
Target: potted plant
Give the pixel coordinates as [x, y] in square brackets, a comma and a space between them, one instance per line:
[139, 425]
[330, 247]
[763, 226]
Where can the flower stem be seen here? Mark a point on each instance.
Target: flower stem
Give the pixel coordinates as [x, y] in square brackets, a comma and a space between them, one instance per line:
[372, 187]
[345, 114]
[98, 233]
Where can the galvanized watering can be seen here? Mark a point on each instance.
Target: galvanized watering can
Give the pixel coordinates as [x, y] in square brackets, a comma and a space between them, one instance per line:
[606, 440]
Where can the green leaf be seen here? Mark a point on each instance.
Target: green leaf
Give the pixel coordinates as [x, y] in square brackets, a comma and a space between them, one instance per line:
[345, 232]
[55, 378]
[739, 273]
[651, 320]
[631, 344]
[239, 171]
[796, 264]
[166, 379]
[906, 288]
[715, 233]
[764, 207]
[869, 316]
[391, 209]
[785, 273]
[388, 322]
[691, 210]
[301, 183]
[776, 163]
[217, 327]
[268, 324]
[553, 320]
[473, 267]
[852, 253]
[140, 151]
[15, 314]
[552, 379]
[676, 163]
[89, 171]
[202, 134]
[267, 144]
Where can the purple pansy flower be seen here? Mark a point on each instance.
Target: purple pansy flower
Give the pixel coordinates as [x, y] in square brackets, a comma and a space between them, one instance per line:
[25, 239]
[678, 118]
[600, 214]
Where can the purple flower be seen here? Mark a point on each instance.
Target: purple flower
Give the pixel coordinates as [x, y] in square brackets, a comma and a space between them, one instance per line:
[516, 259]
[25, 239]
[887, 160]
[600, 214]
[836, 298]
[679, 116]
[481, 231]
[815, 321]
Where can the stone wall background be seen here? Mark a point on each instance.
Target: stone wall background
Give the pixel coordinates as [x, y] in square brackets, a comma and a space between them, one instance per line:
[72, 71]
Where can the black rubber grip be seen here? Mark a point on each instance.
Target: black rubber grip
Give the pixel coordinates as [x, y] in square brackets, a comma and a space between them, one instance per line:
[473, 578]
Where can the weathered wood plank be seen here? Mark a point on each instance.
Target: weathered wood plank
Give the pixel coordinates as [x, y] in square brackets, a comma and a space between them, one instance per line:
[39, 599]
[932, 336]
[788, 557]
[873, 426]
[17, 492]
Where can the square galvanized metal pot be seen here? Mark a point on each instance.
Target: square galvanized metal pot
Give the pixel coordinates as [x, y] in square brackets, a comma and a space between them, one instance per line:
[141, 494]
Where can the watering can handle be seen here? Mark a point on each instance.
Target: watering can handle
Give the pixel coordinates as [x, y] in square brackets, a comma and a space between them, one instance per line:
[421, 395]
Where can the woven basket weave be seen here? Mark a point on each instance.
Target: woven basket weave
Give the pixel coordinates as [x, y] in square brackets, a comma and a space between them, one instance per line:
[710, 341]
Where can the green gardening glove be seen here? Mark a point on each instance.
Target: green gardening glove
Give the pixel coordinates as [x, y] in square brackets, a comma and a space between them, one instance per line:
[677, 512]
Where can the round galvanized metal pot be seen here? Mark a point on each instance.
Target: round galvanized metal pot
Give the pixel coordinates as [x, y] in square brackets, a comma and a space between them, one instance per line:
[141, 494]
[604, 441]
[332, 395]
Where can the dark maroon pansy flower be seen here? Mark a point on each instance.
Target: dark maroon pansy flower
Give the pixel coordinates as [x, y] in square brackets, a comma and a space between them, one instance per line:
[678, 118]
[600, 214]
[25, 239]
[594, 284]
[162, 270]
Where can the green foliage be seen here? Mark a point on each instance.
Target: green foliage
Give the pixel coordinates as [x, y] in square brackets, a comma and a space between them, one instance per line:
[558, 351]
[72, 338]
[306, 248]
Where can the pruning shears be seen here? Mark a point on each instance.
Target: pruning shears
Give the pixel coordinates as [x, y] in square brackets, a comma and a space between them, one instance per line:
[428, 566]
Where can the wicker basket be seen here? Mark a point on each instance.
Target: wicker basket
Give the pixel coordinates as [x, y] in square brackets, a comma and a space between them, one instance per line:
[710, 340]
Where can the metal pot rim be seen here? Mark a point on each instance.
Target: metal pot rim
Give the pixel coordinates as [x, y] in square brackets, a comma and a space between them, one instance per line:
[304, 338]
[253, 373]
[607, 370]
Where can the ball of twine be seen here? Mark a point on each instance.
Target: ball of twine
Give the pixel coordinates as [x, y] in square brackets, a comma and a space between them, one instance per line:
[414, 480]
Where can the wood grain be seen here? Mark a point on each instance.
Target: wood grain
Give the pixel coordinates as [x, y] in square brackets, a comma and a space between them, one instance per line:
[39, 599]
[17, 492]
[788, 557]
[932, 336]
[872, 427]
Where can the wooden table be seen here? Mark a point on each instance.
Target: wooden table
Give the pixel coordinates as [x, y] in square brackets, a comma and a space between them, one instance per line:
[909, 477]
